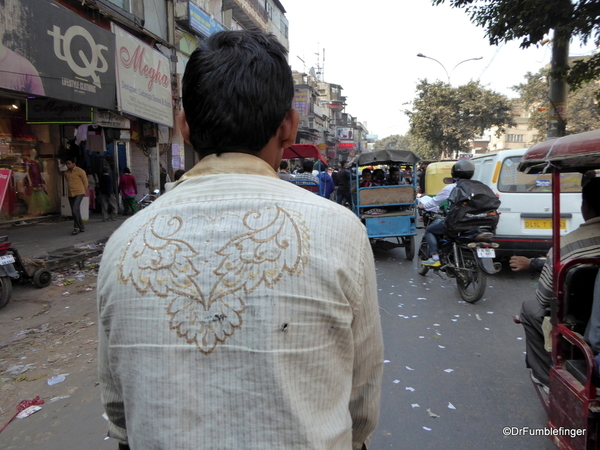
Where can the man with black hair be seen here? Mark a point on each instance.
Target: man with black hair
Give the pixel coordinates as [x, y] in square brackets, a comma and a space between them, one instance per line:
[284, 172]
[239, 310]
[584, 242]
[77, 181]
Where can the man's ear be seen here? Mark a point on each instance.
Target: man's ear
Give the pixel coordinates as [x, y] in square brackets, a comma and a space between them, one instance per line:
[183, 126]
[289, 128]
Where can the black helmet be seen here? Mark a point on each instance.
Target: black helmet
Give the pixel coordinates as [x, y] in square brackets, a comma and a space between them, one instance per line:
[463, 169]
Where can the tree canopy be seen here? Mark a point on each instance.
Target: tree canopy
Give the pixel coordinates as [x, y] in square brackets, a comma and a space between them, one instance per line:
[582, 109]
[531, 20]
[448, 118]
[403, 142]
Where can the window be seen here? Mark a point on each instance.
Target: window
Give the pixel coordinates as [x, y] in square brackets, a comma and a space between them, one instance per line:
[515, 137]
[511, 180]
[123, 4]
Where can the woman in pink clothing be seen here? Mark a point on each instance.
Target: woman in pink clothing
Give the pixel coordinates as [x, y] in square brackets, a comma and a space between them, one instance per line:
[128, 190]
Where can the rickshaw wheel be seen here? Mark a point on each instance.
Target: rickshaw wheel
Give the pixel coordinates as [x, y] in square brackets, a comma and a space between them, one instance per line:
[42, 278]
[409, 247]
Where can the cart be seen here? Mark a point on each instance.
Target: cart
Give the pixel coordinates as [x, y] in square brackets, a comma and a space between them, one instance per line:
[389, 211]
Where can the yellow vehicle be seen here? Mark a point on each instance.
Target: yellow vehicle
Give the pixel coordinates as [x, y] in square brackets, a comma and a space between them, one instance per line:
[435, 175]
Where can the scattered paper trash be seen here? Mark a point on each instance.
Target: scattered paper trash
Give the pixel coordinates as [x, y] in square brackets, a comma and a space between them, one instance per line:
[427, 429]
[57, 379]
[386, 361]
[396, 381]
[451, 406]
[411, 389]
[409, 368]
[415, 405]
[441, 346]
[490, 312]
[432, 414]
[61, 397]
[449, 370]
[28, 411]
[477, 315]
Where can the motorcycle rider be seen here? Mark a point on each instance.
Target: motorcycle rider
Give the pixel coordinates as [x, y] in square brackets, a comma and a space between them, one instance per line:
[463, 169]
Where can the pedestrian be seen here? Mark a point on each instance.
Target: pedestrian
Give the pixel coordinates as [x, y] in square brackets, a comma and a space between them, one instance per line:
[128, 190]
[164, 178]
[178, 174]
[343, 185]
[233, 312]
[78, 182]
[108, 199]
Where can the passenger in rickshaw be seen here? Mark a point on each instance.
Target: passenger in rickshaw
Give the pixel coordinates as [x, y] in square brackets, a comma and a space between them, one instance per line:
[378, 177]
[584, 242]
[306, 174]
[366, 179]
[393, 178]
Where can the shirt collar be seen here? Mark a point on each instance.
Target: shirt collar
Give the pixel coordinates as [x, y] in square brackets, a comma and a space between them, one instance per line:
[230, 163]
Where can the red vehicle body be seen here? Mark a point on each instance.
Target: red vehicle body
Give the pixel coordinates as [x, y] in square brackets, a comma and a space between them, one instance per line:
[572, 402]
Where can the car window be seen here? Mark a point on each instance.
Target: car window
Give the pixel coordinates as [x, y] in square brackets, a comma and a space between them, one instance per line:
[511, 180]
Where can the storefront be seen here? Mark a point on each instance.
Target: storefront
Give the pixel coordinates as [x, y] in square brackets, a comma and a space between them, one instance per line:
[55, 67]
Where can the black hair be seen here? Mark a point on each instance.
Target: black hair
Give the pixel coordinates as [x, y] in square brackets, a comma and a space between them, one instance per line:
[366, 170]
[308, 165]
[590, 193]
[283, 164]
[237, 89]
[178, 174]
[126, 170]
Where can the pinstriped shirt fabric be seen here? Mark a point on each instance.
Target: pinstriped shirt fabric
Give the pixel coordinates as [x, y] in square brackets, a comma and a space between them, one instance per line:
[584, 242]
[239, 311]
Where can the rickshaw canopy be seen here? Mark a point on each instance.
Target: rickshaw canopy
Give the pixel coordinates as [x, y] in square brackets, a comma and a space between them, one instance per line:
[574, 153]
[381, 157]
[304, 151]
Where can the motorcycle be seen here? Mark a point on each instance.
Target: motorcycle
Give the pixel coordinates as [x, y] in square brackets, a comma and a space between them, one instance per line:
[468, 259]
[147, 199]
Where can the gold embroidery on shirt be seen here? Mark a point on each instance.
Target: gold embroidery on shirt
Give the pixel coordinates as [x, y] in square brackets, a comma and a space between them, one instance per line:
[276, 242]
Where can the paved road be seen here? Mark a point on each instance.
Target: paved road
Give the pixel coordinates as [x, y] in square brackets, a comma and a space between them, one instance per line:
[462, 362]
[428, 331]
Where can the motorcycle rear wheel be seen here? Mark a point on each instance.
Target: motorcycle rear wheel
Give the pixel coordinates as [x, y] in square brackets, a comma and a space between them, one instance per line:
[471, 284]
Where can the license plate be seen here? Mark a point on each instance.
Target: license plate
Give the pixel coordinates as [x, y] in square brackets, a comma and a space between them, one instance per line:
[486, 253]
[6, 259]
[543, 224]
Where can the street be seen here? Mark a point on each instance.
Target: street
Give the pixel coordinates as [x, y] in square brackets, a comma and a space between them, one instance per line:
[454, 374]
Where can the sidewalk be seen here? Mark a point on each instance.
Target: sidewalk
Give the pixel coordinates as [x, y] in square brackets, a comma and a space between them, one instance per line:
[37, 239]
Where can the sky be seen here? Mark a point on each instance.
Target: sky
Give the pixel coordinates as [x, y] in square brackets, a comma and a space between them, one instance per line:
[370, 50]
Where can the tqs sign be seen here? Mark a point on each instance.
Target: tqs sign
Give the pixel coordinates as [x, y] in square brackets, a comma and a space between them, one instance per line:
[84, 66]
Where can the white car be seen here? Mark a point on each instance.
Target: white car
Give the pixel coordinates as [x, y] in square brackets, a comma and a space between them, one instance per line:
[525, 226]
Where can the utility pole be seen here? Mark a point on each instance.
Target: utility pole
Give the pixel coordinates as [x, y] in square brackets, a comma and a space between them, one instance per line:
[557, 107]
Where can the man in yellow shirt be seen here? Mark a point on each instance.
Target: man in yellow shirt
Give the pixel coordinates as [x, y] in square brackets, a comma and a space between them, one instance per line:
[78, 183]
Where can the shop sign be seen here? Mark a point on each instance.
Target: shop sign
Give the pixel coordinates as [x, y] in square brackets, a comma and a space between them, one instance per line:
[345, 144]
[301, 102]
[143, 78]
[203, 23]
[111, 120]
[55, 53]
[4, 182]
[344, 133]
[48, 110]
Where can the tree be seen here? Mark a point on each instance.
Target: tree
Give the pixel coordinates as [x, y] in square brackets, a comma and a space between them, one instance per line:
[448, 118]
[583, 113]
[530, 21]
[403, 142]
